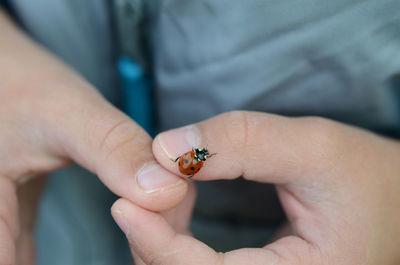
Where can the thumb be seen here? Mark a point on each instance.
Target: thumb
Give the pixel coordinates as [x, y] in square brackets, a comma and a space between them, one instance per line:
[50, 116]
[95, 134]
[258, 146]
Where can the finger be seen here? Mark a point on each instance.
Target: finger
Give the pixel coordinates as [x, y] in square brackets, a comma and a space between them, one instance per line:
[69, 120]
[107, 142]
[9, 227]
[155, 242]
[254, 145]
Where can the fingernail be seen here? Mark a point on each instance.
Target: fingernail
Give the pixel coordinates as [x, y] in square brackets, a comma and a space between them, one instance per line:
[179, 141]
[121, 221]
[152, 178]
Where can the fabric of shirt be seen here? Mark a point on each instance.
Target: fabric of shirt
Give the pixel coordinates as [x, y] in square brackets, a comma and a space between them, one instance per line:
[333, 59]
[309, 57]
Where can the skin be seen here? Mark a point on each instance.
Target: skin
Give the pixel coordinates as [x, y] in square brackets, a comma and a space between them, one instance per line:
[339, 186]
[51, 117]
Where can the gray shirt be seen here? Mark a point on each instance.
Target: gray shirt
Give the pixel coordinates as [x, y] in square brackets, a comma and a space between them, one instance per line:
[288, 57]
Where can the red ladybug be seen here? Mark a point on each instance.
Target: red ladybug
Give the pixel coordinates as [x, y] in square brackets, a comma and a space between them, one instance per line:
[191, 162]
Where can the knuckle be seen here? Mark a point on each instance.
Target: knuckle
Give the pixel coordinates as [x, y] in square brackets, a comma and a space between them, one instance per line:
[296, 251]
[124, 149]
[120, 134]
[151, 260]
[113, 134]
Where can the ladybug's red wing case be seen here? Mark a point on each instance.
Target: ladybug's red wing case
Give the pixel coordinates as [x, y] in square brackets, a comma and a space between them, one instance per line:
[188, 165]
[191, 162]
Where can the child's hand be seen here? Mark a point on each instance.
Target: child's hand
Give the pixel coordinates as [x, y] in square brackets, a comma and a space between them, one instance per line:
[340, 188]
[50, 117]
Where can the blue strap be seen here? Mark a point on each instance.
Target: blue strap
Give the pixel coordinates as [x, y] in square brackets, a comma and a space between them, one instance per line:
[132, 62]
[136, 93]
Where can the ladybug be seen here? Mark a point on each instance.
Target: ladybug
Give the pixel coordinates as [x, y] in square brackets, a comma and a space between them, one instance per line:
[191, 162]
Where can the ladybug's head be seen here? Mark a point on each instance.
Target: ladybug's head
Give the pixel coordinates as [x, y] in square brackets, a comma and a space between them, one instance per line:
[201, 154]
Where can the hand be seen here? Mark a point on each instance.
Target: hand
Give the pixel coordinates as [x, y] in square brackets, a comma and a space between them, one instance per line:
[50, 117]
[339, 187]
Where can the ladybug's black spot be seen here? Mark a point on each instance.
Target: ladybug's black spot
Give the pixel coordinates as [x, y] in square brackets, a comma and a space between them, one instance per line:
[192, 168]
[188, 174]
[179, 163]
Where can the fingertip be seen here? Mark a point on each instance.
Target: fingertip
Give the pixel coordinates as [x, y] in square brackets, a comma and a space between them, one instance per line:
[176, 142]
[131, 218]
[153, 187]
[163, 156]
[169, 145]
[153, 178]
[153, 239]
[160, 148]
[161, 199]
[144, 229]
[132, 213]
[119, 217]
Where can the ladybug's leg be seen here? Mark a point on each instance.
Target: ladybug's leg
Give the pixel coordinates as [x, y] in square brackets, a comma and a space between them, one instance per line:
[211, 155]
[176, 159]
[190, 177]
